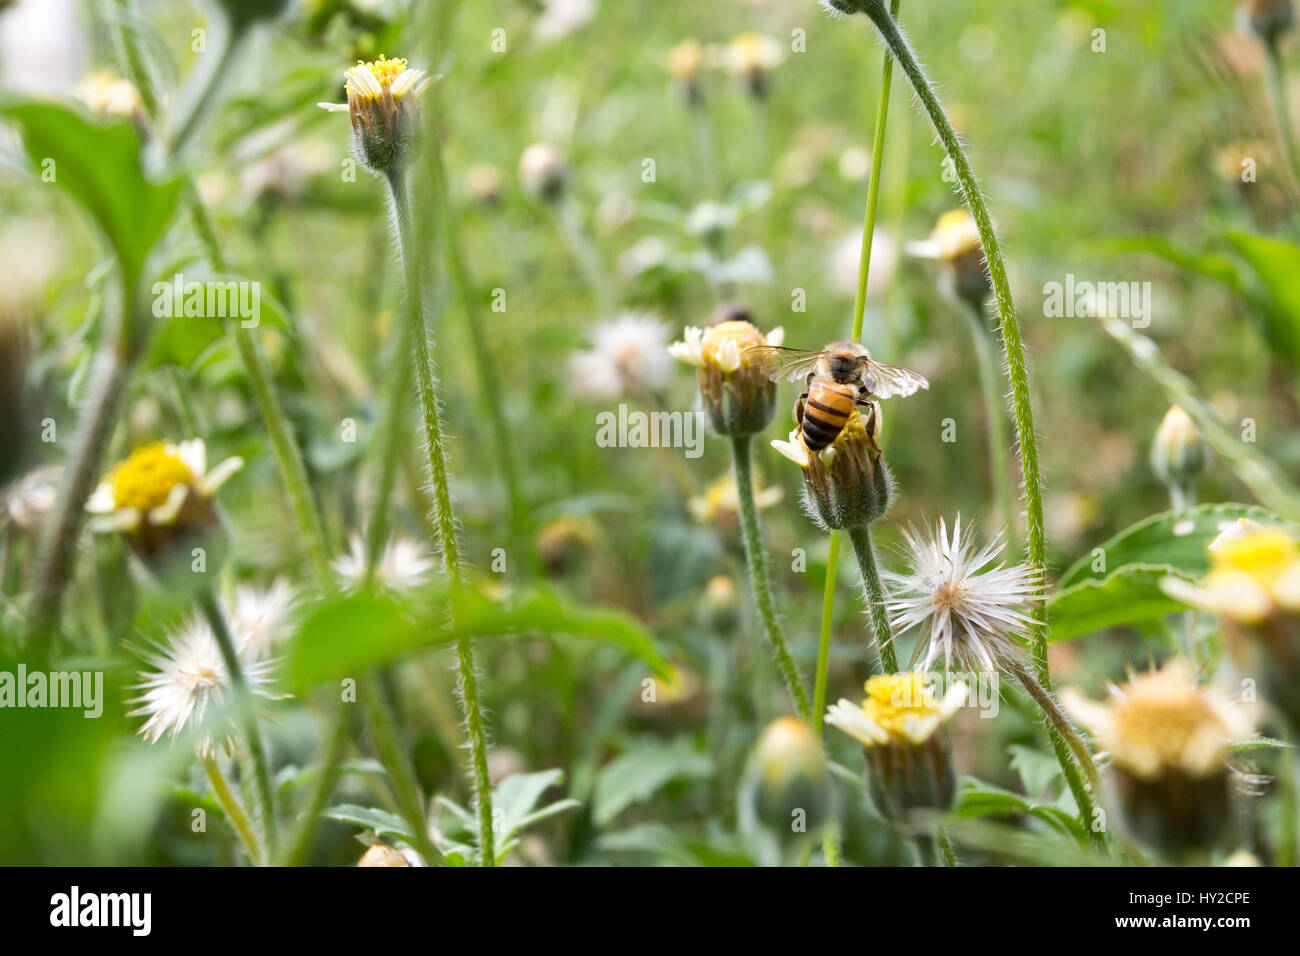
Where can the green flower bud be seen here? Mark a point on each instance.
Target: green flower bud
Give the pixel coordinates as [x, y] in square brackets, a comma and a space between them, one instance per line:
[382, 106]
[1267, 19]
[1178, 455]
[845, 485]
[793, 792]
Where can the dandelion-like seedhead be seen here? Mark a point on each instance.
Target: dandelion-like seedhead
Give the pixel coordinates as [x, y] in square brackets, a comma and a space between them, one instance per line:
[966, 610]
[628, 354]
[260, 617]
[188, 677]
[734, 388]
[381, 103]
[404, 565]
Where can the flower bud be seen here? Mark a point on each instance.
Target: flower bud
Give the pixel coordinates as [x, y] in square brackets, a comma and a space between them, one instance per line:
[1267, 19]
[1178, 455]
[792, 783]
[244, 13]
[685, 61]
[845, 485]
[381, 103]
[1169, 742]
[721, 608]
[902, 728]
[543, 172]
[734, 388]
[381, 854]
[844, 7]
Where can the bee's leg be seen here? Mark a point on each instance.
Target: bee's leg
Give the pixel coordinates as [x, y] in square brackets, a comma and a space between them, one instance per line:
[798, 408]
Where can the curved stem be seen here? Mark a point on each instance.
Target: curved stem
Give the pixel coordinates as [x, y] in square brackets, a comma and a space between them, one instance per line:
[1013, 348]
[444, 517]
[875, 595]
[336, 739]
[1000, 473]
[756, 561]
[231, 806]
[207, 600]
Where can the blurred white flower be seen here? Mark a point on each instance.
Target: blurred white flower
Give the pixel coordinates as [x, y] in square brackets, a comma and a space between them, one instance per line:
[542, 170]
[403, 566]
[965, 612]
[29, 499]
[188, 676]
[559, 18]
[629, 353]
[259, 616]
[107, 94]
[847, 254]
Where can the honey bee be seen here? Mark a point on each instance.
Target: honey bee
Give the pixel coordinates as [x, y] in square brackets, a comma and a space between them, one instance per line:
[839, 377]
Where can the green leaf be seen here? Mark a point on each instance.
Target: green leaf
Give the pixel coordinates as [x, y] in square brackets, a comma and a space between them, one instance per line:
[1276, 263]
[1180, 540]
[182, 339]
[347, 636]
[1130, 595]
[99, 166]
[381, 822]
[978, 799]
[642, 771]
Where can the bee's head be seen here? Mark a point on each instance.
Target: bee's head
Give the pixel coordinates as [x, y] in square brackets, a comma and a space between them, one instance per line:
[847, 360]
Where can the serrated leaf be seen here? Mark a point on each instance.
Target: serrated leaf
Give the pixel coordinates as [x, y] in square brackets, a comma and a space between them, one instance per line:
[1177, 539]
[1129, 595]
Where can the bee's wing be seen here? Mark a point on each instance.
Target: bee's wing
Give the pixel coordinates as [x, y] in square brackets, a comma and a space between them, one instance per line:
[778, 362]
[890, 380]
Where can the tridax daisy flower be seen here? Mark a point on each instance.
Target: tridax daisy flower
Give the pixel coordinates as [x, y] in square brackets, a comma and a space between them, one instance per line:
[846, 484]
[750, 57]
[381, 104]
[29, 499]
[1169, 741]
[559, 18]
[543, 171]
[259, 617]
[628, 354]
[965, 612]
[720, 503]
[789, 767]
[900, 725]
[159, 493]
[107, 94]
[955, 242]
[189, 675]
[684, 63]
[846, 256]
[1254, 585]
[734, 386]
[1254, 574]
[404, 565]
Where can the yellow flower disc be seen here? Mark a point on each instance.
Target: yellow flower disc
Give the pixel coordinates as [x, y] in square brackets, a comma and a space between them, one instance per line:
[147, 477]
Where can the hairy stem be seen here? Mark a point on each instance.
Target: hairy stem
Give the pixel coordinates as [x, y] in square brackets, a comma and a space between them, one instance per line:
[756, 561]
[1027, 442]
[247, 715]
[444, 516]
[875, 594]
[231, 806]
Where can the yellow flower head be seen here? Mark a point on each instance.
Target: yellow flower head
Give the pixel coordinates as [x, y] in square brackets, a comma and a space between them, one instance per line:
[720, 502]
[381, 95]
[159, 485]
[1162, 721]
[1253, 575]
[899, 708]
[955, 235]
[685, 61]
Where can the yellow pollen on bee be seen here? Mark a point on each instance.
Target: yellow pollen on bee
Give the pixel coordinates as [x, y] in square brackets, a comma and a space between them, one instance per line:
[146, 478]
[893, 698]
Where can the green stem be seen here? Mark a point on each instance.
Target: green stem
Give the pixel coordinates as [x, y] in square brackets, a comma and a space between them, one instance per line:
[1027, 441]
[584, 254]
[444, 516]
[875, 596]
[824, 640]
[1282, 107]
[1000, 472]
[203, 94]
[831, 843]
[243, 699]
[336, 739]
[231, 806]
[945, 848]
[136, 71]
[489, 391]
[927, 849]
[401, 775]
[756, 561]
[859, 311]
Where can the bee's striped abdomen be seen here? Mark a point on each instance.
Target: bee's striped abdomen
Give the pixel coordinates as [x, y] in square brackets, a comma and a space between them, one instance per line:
[825, 412]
